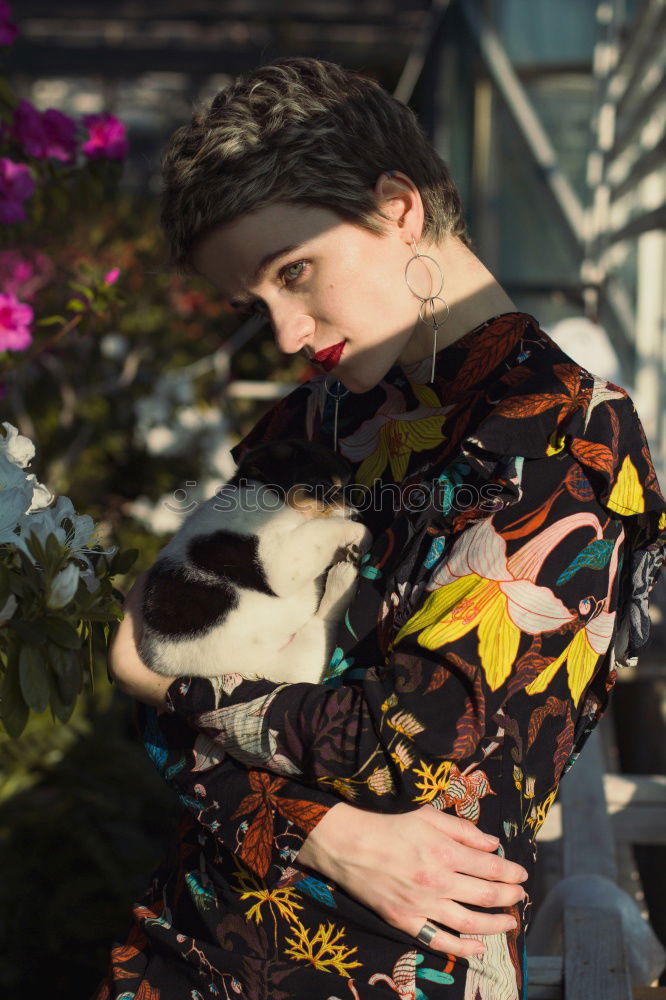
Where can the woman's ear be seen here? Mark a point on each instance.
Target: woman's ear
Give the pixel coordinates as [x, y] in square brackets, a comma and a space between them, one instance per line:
[397, 196]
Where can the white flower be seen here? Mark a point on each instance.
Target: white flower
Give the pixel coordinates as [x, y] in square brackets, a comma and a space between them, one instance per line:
[8, 609]
[42, 523]
[16, 447]
[41, 494]
[63, 587]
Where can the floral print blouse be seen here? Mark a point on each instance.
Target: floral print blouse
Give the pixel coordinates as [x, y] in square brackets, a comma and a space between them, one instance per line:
[518, 526]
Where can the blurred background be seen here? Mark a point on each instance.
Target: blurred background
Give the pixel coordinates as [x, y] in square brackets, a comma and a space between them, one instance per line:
[551, 116]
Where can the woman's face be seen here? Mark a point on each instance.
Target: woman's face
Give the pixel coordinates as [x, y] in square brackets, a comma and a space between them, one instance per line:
[335, 284]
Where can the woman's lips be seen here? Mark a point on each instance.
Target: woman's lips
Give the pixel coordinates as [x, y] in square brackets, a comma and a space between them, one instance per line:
[329, 357]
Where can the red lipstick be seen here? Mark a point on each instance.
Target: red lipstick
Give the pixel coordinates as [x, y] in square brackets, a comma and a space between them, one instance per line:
[329, 357]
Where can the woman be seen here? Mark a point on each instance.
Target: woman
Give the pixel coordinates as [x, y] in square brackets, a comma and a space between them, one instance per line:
[337, 847]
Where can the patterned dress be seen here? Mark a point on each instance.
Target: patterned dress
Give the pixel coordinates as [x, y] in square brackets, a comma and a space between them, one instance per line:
[518, 526]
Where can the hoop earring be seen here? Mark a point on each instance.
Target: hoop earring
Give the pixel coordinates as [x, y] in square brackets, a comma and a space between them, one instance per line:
[337, 396]
[429, 301]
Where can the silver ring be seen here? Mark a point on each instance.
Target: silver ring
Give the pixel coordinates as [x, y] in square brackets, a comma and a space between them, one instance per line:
[432, 322]
[424, 256]
[426, 934]
[335, 395]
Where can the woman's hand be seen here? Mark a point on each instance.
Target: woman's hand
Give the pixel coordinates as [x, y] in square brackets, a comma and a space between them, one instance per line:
[414, 867]
[126, 667]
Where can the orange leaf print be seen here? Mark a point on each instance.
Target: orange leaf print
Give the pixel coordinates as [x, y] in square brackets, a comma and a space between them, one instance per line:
[596, 456]
[304, 814]
[136, 940]
[487, 349]
[553, 706]
[568, 375]
[257, 842]
[517, 407]
[147, 992]
[120, 973]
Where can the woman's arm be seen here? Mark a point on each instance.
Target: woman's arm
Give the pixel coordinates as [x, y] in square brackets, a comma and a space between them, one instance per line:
[407, 868]
[512, 624]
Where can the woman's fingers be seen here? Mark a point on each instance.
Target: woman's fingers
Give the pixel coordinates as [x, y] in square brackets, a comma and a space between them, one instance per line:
[459, 918]
[471, 889]
[443, 941]
[473, 852]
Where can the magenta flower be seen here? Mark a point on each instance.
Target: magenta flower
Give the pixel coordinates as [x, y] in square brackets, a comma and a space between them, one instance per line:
[15, 319]
[23, 273]
[51, 134]
[108, 137]
[8, 29]
[16, 185]
[112, 276]
[60, 132]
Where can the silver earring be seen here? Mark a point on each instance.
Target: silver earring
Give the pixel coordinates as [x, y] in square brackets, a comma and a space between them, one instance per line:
[428, 301]
[337, 396]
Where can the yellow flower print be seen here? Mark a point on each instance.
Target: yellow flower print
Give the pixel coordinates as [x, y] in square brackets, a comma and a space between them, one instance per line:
[402, 755]
[538, 813]
[555, 443]
[627, 495]
[406, 723]
[581, 658]
[477, 587]
[380, 781]
[324, 952]
[391, 435]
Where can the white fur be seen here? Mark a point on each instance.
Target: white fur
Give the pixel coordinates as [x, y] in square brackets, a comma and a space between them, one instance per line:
[285, 638]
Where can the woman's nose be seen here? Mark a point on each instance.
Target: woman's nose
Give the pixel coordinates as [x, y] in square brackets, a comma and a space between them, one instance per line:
[292, 329]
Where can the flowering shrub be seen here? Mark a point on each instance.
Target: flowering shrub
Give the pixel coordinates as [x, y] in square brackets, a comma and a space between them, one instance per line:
[55, 589]
[56, 597]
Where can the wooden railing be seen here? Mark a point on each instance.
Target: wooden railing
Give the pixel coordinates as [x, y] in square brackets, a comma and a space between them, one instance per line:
[604, 947]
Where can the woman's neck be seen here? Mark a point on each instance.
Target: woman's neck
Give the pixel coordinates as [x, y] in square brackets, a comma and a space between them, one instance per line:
[471, 292]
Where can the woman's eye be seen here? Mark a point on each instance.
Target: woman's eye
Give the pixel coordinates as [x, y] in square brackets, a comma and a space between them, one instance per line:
[285, 272]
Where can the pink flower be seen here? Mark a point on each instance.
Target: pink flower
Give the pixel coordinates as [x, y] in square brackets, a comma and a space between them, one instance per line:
[108, 137]
[112, 276]
[51, 134]
[15, 319]
[24, 273]
[8, 29]
[16, 184]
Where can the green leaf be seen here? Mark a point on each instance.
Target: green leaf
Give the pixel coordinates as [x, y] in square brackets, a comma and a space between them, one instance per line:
[51, 321]
[54, 550]
[34, 678]
[76, 305]
[13, 709]
[62, 632]
[61, 708]
[123, 561]
[78, 287]
[66, 665]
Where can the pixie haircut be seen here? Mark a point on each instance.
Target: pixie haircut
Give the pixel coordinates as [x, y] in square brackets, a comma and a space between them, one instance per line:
[305, 131]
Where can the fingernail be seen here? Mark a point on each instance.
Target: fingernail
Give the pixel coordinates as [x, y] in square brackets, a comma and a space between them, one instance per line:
[491, 840]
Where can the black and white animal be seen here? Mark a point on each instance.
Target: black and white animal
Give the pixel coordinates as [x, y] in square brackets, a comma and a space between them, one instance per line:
[239, 587]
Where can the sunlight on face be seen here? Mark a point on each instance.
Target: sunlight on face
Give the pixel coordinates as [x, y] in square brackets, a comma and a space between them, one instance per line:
[335, 284]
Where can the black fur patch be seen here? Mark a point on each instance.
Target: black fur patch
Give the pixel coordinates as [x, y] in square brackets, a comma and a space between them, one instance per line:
[175, 606]
[232, 557]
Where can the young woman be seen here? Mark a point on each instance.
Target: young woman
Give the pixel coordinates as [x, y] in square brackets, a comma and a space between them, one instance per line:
[338, 847]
